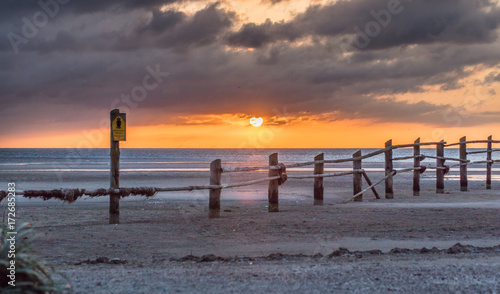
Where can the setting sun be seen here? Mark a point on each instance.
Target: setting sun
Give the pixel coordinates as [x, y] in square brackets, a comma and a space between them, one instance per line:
[256, 122]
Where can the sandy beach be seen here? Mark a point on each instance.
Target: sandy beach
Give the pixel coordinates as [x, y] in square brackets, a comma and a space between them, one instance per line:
[166, 243]
[226, 107]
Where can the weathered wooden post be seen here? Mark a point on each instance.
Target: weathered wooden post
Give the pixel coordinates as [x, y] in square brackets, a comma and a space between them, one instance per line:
[357, 177]
[463, 164]
[272, 192]
[389, 191]
[440, 167]
[318, 182]
[416, 165]
[488, 162]
[214, 194]
[117, 134]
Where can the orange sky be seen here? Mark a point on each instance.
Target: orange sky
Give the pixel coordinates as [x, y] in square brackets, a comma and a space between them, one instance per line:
[345, 134]
[215, 85]
[301, 131]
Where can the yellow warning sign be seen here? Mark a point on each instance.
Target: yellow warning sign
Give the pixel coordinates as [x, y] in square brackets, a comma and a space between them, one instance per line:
[118, 127]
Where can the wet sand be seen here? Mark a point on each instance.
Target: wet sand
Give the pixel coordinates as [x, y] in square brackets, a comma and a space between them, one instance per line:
[153, 233]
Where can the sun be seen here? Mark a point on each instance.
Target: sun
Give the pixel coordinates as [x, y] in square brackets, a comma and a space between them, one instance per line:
[256, 122]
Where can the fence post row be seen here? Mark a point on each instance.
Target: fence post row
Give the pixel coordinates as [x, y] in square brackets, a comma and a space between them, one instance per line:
[114, 199]
[416, 165]
[214, 196]
[489, 163]
[389, 191]
[273, 189]
[357, 183]
[318, 182]
[463, 164]
[440, 167]
[273, 192]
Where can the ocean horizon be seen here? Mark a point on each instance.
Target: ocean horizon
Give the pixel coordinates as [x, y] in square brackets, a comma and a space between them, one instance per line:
[50, 168]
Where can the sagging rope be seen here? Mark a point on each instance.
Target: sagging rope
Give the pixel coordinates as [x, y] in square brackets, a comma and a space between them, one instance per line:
[250, 168]
[422, 169]
[446, 168]
[328, 175]
[473, 142]
[448, 158]
[71, 195]
[475, 162]
[374, 153]
[421, 157]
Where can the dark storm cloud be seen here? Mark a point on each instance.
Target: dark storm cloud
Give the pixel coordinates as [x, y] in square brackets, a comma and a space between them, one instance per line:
[169, 29]
[202, 29]
[256, 36]
[82, 64]
[380, 24]
[163, 21]
[18, 7]
[173, 29]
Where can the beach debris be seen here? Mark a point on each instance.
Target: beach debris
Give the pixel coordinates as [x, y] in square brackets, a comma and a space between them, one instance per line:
[459, 248]
[210, 258]
[358, 254]
[341, 252]
[204, 258]
[102, 260]
[400, 251]
[425, 250]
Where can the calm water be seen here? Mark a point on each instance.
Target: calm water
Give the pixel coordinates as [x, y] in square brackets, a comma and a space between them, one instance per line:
[89, 168]
[41, 159]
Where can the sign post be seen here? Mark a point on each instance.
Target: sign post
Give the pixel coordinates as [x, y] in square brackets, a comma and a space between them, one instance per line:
[118, 133]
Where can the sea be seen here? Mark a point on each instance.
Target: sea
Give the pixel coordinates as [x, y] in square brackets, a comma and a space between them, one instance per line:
[89, 168]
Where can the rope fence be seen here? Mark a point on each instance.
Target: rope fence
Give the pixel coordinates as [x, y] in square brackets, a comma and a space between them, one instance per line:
[277, 176]
[327, 175]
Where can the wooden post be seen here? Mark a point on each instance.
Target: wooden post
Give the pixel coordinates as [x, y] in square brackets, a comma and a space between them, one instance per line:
[114, 199]
[389, 192]
[440, 168]
[272, 192]
[489, 163]
[318, 182]
[214, 196]
[416, 165]
[463, 165]
[357, 178]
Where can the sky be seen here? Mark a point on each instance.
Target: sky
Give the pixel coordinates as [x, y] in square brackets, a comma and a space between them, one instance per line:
[190, 74]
